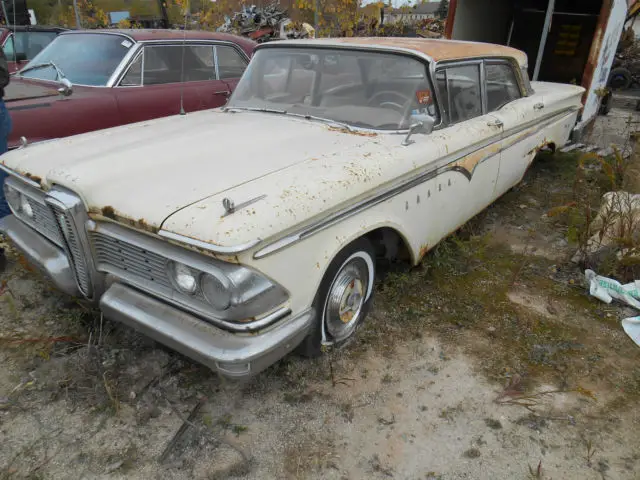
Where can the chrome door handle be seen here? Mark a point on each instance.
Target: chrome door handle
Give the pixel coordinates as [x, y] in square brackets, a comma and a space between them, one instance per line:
[226, 93]
[495, 123]
[538, 106]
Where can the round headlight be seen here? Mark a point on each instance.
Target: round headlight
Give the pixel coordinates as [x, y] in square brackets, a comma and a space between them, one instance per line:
[217, 290]
[25, 206]
[184, 278]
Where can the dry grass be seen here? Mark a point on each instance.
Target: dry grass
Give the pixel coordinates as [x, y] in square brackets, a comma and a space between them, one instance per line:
[464, 291]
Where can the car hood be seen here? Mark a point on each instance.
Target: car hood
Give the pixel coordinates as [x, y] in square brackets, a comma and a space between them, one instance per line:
[21, 89]
[145, 172]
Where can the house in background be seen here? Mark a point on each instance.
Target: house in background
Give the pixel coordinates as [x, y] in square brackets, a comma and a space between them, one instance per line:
[410, 15]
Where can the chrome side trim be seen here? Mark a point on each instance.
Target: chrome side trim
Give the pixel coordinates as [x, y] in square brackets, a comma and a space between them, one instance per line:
[20, 177]
[210, 247]
[432, 172]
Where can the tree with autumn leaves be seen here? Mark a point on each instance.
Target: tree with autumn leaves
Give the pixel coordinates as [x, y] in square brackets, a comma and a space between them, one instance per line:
[330, 17]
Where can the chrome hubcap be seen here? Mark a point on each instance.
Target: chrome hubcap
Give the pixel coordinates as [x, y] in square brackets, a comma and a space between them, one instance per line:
[346, 299]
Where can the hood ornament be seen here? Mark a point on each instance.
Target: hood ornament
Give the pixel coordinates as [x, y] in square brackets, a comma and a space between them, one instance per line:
[230, 206]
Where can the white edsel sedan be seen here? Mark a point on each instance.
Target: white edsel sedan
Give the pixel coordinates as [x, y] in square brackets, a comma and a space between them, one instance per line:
[237, 235]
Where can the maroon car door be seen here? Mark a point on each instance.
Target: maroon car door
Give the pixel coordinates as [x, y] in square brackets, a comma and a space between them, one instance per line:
[165, 78]
[230, 65]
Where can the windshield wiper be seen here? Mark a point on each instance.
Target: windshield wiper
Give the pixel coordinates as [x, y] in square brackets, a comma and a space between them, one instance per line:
[38, 66]
[256, 109]
[326, 121]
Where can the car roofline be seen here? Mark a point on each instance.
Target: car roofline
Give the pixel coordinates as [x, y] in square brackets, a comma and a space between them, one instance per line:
[348, 46]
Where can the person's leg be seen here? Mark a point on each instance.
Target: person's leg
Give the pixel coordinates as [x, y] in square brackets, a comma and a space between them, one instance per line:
[5, 130]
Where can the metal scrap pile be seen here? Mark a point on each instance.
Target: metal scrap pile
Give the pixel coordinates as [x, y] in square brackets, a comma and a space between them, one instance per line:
[264, 24]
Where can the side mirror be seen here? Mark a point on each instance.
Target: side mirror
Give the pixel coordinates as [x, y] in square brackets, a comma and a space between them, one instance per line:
[420, 123]
[21, 57]
[67, 87]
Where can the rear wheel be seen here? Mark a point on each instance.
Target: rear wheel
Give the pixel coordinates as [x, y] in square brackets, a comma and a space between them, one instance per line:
[343, 299]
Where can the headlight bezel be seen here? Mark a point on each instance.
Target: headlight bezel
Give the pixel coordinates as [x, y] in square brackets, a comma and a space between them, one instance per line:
[239, 286]
[174, 274]
[253, 294]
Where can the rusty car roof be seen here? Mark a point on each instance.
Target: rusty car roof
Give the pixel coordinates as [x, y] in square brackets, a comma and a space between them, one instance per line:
[436, 49]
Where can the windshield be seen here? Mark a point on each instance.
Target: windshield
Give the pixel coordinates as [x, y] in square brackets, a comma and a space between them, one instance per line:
[363, 89]
[85, 59]
[28, 43]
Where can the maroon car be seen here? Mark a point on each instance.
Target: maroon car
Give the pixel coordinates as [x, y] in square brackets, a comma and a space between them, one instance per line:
[90, 80]
[23, 42]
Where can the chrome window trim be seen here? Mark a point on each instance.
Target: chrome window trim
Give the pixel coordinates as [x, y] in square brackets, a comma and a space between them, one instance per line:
[177, 43]
[366, 48]
[517, 75]
[430, 171]
[216, 67]
[444, 66]
[243, 56]
[129, 67]
[429, 72]
[122, 65]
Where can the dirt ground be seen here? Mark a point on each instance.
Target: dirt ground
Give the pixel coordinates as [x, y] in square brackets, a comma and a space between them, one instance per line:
[488, 361]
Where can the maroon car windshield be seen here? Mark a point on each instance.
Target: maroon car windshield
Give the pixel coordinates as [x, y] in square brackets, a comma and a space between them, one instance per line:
[83, 58]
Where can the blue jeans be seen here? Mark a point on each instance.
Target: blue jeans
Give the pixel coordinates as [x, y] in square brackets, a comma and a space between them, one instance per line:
[5, 129]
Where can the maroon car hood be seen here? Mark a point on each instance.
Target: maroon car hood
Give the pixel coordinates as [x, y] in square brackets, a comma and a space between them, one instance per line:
[20, 89]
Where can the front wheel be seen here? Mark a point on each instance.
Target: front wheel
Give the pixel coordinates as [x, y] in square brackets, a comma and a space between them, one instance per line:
[343, 299]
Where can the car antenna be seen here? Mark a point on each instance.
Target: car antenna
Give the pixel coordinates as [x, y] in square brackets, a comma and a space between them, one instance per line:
[184, 41]
[15, 55]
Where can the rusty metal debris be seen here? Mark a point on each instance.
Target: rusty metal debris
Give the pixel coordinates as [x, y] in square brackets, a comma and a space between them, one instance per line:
[264, 24]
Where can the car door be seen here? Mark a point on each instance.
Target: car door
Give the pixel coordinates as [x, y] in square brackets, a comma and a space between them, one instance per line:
[230, 65]
[519, 117]
[166, 79]
[466, 179]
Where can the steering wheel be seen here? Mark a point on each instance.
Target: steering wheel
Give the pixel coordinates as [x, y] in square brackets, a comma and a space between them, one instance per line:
[400, 107]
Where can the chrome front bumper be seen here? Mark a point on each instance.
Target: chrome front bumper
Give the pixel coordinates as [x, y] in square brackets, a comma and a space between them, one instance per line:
[41, 253]
[232, 355]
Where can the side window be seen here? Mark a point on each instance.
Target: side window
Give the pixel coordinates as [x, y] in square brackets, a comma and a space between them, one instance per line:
[230, 63]
[502, 85]
[8, 48]
[460, 92]
[165, 64]
[133, 77]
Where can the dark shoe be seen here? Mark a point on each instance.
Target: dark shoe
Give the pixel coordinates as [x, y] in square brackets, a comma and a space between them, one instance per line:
[3, 260]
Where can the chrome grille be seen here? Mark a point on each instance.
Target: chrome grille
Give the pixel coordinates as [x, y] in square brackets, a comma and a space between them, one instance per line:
[122, 258]
[43, 221]
[74, 249]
